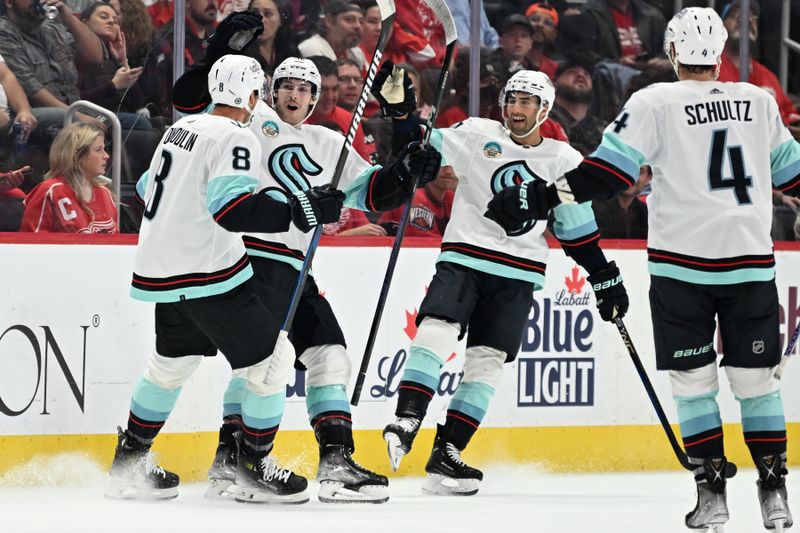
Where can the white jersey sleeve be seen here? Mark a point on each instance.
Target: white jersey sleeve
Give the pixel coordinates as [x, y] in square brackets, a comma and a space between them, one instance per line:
[234, 169]
[784, 154]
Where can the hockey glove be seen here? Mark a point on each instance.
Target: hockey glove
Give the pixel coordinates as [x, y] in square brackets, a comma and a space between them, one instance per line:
[394, 91]
[318, 205]
[610, 293]
[235, 33]
[417, 161]
[514, 205]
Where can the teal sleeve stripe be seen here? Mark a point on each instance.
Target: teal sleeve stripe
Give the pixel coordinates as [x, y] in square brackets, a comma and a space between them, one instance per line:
[277, 195]
[615, 151]
[784, 162]
[355, 194]
[150, 397]
[141, 185]
[223, 189]
[468, 409]
[193, 292]
[695, 426]
[574, 220]
[437, 141]
[766, 405]
[493, 268]
[475, 393]
[763, 423]
[689, 275]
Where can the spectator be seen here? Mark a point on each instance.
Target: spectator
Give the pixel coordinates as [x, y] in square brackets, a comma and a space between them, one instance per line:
[544, 19]
[14, 105]
[340, 34]
[785, 213]
[430, 210]
[455, 104]
[74, 198]
[11, 199]
[460, 10]
[327, 110]
[624, 216]
[275, 43]
[139, 33]
[759, 74]
[573, 82]
[350, 85]
[371, 29]
[516, 41]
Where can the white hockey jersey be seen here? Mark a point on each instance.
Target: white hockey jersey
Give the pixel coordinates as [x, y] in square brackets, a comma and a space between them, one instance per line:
[486, 160]
[201, 164]
[295, 159]
[718, 149]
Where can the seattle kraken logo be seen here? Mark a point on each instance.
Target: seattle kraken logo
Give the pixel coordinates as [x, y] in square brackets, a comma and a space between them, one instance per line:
[290, 165]
[511, 174]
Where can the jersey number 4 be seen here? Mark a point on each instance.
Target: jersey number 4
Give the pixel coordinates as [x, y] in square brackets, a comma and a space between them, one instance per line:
[740, 181]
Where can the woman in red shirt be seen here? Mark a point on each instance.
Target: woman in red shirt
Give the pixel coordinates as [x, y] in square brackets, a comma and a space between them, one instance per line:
[74, 197]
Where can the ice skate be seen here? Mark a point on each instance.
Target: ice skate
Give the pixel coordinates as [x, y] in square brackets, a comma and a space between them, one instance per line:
[399, 436]
[342, 480]
[134, 474]
[264, 481]
[772, 496]
[222, 474]
[448, 475]
[711, 511]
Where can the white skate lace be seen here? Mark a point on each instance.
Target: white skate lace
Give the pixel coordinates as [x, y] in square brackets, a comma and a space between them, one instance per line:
[151, 467]
[408, 425]
[454, 454]
[273, 471]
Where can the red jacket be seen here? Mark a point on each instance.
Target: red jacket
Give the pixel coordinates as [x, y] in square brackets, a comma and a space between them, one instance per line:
[53, 207]
[763, 77]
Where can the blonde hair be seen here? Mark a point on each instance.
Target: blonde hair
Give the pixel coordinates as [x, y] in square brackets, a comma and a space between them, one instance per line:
[68, 149]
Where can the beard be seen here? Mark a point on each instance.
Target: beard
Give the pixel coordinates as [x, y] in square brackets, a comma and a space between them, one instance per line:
[571, 94]
[735, 41]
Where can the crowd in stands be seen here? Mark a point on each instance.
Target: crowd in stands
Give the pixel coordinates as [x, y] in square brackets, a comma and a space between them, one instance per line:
[119, 55]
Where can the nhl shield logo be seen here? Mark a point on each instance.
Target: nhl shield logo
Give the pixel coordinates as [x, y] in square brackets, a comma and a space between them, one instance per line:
[492, 149]
[758, 347]
[270, 129]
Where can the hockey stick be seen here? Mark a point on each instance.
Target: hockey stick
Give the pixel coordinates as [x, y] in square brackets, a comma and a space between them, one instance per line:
[730, 469]
[440, 9]
[788, 353]
[387, 19]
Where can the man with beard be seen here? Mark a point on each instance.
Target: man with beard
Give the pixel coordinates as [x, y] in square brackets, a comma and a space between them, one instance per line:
[573, 81]
[340, 34]
[544, 19]
[759, 74]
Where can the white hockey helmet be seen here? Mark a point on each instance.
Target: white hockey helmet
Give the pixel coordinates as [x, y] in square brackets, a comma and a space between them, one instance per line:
[697, 35]
[302, 69]
[534, 83]
[233, 78]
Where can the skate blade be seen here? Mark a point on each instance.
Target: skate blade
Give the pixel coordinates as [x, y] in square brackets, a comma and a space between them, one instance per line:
[264, 497]
[439, 485]
[394, 449]
[716, 528]
[221, 489]
[126, 491]
[336, 492]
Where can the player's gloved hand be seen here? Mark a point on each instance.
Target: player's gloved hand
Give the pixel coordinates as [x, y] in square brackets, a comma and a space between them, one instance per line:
[394, 91]
[610, 293]
[235, 33]
[317, 205]
[514, 205]
[420, 162]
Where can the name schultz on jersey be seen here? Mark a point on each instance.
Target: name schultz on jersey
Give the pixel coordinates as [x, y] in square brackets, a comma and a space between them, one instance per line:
[718, 111]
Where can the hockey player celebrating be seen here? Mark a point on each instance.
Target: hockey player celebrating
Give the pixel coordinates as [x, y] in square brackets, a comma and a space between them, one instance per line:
[710, 253]
[296, 158]
[199, 194]
[485, 277]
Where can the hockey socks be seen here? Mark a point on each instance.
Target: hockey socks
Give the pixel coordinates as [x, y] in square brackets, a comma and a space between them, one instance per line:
[329, 414]
[764, 425]
[419, 383]
[151, 405]
[261, 416]
[701, 425]
[232, 399]
[465, 412]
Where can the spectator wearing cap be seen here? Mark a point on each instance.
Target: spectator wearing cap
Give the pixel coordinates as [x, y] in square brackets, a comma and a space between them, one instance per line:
[572, 108]
[339, 34]
[460, 9]
[759, 74]
[516, 41]
[544, 20]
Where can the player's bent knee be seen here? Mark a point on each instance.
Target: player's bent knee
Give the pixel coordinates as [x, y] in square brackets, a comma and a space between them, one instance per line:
[484, 364]
[751, 382]
[171, 372]
[270, 376]
[438, 336]
[694, 382]
[327, 365]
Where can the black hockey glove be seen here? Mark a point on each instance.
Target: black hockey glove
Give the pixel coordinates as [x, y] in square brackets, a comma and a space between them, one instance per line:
[514, 205]
[417, 161]
[610, 293]
[318, 205]
[394, 91]
[235, 33]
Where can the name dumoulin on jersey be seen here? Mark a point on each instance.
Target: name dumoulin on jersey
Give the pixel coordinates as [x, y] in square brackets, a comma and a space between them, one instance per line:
[201, 164]
[718, 149]
[486, 160]
[295, 159]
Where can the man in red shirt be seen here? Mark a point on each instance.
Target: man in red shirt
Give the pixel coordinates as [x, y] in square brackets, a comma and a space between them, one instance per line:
[759, 74]
[544, 19]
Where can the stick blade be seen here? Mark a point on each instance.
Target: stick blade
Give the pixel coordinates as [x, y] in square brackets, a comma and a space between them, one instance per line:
[442, 12]
[387, 8]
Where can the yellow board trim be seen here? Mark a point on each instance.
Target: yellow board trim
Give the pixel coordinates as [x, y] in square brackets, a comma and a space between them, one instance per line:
[554, 449]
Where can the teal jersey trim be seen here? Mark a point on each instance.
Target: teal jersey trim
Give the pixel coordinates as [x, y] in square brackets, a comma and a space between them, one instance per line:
[689, 275]
[223, 189]
[355, 194]
[615, 151]
[573, 221]
[437, 141]
[785, 162]
[294, 263]
[141, 184]
[191, 293]
[493, 268]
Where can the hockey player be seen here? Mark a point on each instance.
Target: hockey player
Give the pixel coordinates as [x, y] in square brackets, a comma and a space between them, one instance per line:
[710, 253]
[297, 157]
[199, 194]
[485, 277]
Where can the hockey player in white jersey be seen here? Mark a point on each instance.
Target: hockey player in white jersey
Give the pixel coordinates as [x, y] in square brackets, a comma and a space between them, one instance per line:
[720, 149]
[199, 193]
[297, 159]
[485, 276]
